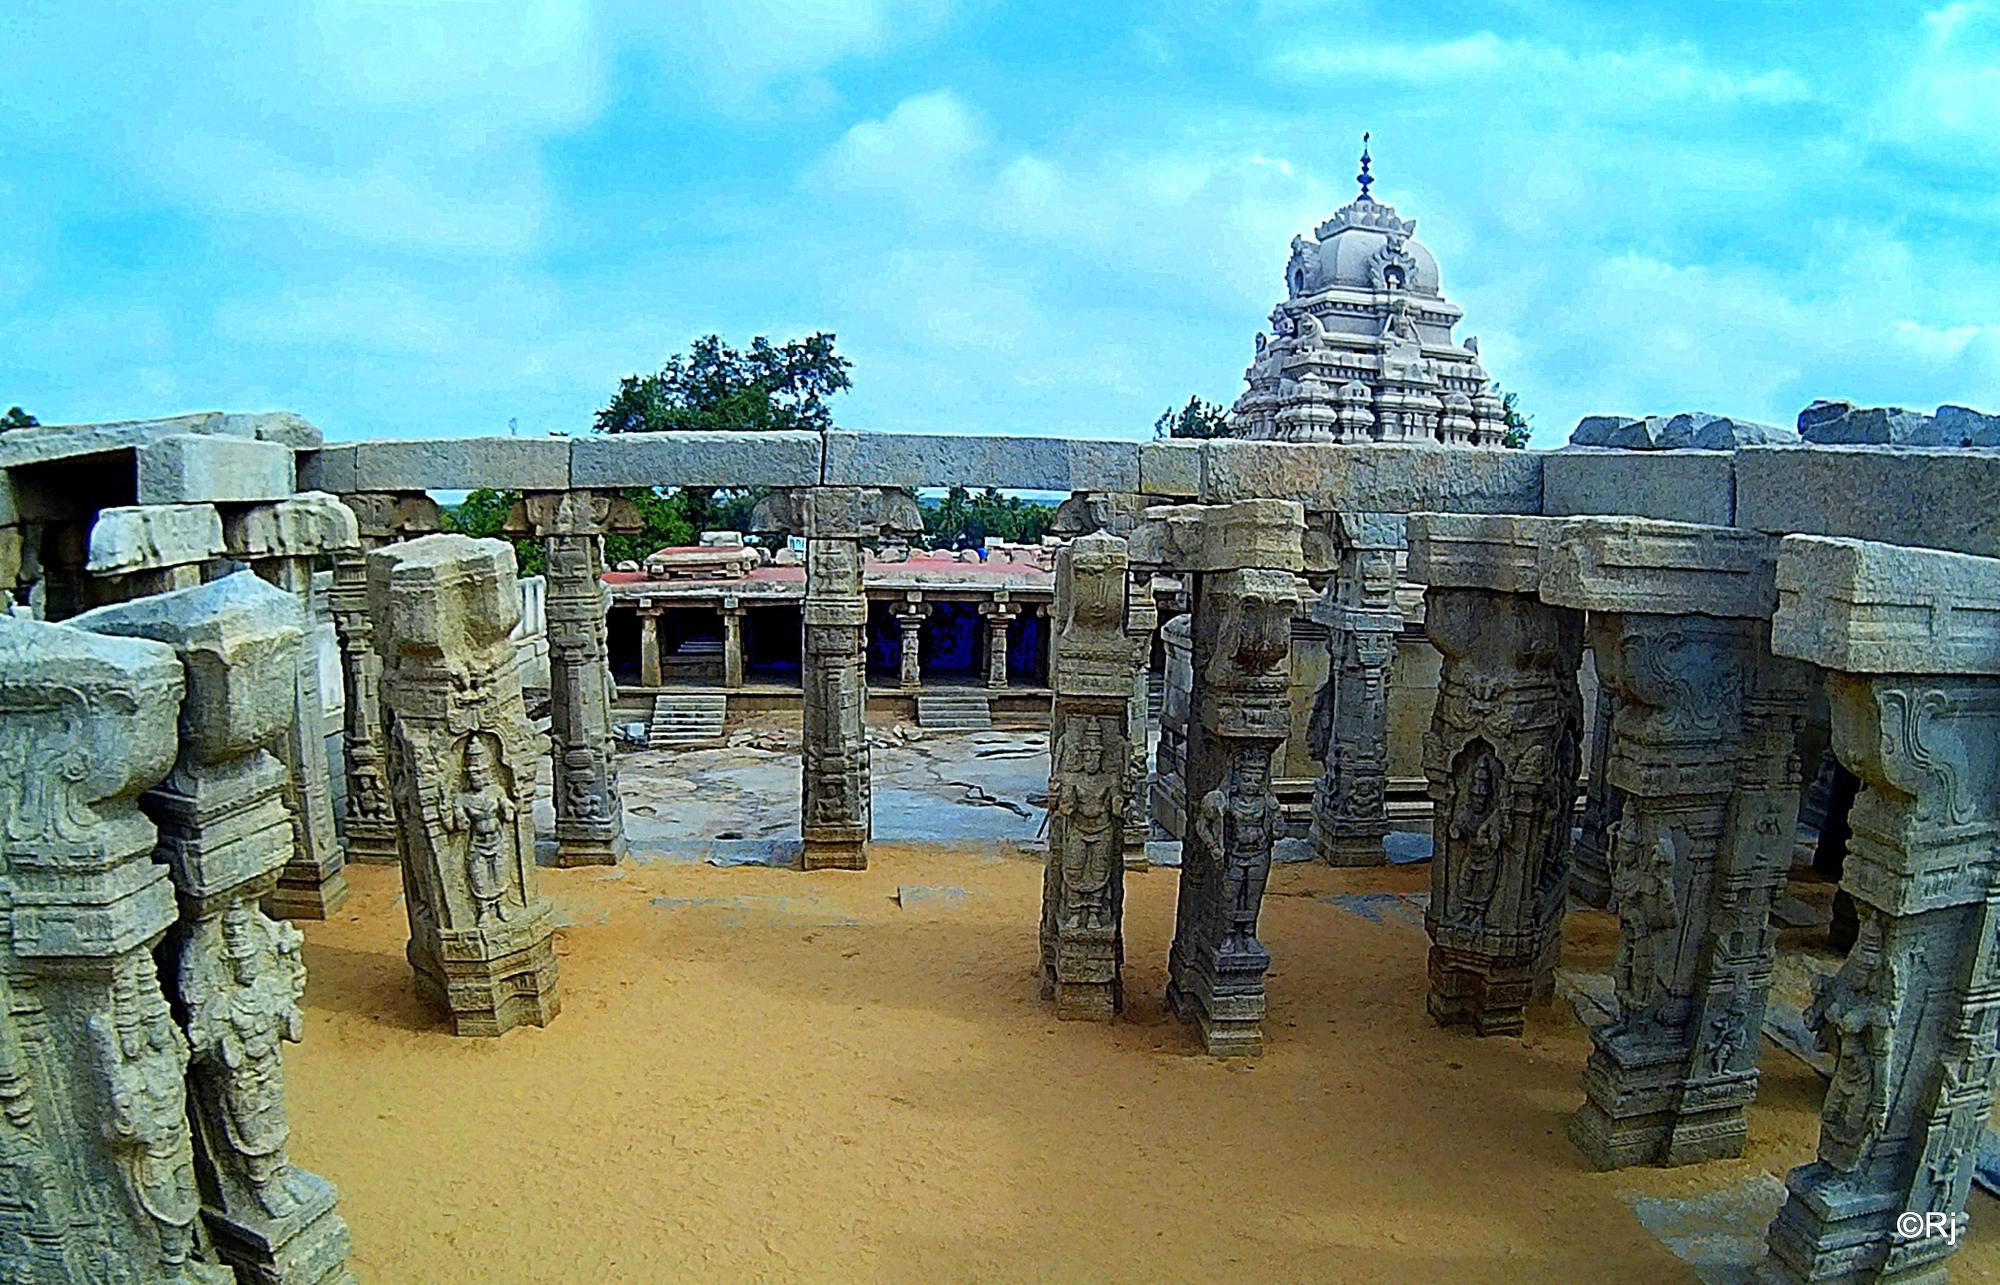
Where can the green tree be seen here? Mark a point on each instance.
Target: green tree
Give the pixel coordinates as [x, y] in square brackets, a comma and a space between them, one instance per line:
[17, 418]
[1196, 419]
[714, 386]
[963, 518]
[1516, 436]
[483, 513]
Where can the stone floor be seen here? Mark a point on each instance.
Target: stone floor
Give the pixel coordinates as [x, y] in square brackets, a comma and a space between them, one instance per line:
[767, 1074]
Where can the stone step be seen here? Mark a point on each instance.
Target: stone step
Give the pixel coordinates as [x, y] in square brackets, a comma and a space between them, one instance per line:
[1156, 695]
[954, 712]
[683, 720]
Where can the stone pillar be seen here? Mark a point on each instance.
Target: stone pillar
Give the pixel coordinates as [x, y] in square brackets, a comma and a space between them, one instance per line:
[1351, 716]
[1914, 688]
[1701, 749]
[1243, 559]
[836, 785]
[1590, 873]
[1169, 792]
[590, 815]
[1083, 888]
[999, 614]
[910, 624]
[95, 1149]
[649, 646]
[380, 518]
[462, 762]
[234, 977]
[1142, 618]
[279, 542]
[140, 549]
[733, 612]
[1502, 756]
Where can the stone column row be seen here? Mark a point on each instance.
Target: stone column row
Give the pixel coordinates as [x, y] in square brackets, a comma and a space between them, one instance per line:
[1350, 724]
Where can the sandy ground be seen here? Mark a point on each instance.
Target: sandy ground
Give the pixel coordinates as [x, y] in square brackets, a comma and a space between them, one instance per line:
[765, 1074]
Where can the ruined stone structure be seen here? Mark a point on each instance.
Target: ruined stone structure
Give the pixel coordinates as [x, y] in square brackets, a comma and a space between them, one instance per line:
[1361, 347]
[1502, 755]
[1090, 733]
[461, 764]
[1244, 559]
[233, 977]
[1349, 730]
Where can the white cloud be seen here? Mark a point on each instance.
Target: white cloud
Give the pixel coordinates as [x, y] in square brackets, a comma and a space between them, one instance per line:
[735, 52]
[916, 150]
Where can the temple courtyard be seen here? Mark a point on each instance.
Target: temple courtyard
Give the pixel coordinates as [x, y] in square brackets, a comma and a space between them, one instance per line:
[762, 1073]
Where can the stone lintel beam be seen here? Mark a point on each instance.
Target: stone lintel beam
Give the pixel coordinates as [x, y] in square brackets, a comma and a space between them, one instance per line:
[1661, 569]
[839, 513]
[200, 469]
[153, 537]
[385, 517]
[1910, 1017]
[911, 460]
[1261, 534]
[1502, 756]
[303, 526]
[1374, 477]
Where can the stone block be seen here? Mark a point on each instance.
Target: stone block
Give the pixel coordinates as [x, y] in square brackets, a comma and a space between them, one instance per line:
[301, 527]
[47, 443]
[148, 537]
[330, 469]
[1624, 432]
[1479, 551]
[1660, 568]
[1671, 486]
[191, 469]
[280, 426]
[10, 558]
[1844, 424]
[1963, 426]
[1932, 499]
[1377, 478]
[1220, 537]
[1170, 469]
[10, 507]
[696, 459]
[1012, 463]
[463, 463]
[444, 588]
[1868, 608]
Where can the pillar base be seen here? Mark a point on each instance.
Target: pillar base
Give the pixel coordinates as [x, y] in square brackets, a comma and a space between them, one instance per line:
[1489, 995]
[487, 988]
[590, 849]
[1350, 849]
[835, 854]
[1640, 1112]
[1134, 856]
[303, 895]
[1590, 883]
[1081, 974]
[1231, 1026]
[371, 844]
[1828, 1230]
[306, 1247]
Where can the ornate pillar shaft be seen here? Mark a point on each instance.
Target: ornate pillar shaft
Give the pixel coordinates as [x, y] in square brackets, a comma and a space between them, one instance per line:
[910, 628]
[836, 766]
[649, 646]
[1244, 558]
[461, 761]
[94, 1129]
[1910, 1017]
[279, 542]
[1083, 889]
[590, 816]
[234, 977]
[732, 644]
[999, 615]
[369, 826]
[1502, 756]
[1142, 618]
[1351, 716]
[1169, 792]
[1590, 874]
[1702, 752]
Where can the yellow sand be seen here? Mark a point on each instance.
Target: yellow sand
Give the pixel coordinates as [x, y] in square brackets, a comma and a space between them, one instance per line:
[761, 1090]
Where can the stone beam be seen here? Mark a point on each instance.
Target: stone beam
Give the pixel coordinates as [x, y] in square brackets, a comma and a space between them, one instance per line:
[442, 464]
[1913, 684]
[1702, 753]
[1376, 478]
[190, 469]
[696, 459]
[1926, 498]
[912, 460]
[1502, 756]
[1670, 486]
[51, 443]
[153, 537]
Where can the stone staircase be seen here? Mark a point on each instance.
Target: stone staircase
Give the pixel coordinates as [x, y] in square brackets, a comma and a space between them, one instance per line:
[687, 720]
[954, 711]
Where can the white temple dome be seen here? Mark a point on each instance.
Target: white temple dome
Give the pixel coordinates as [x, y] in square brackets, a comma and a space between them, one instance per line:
[1364, 246]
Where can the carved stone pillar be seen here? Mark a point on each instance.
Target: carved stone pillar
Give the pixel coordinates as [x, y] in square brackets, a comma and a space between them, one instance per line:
[234, 977]
[1914, 691]
[95, 1147]
[1142, 618]
[999, 615]
[590, 816]
[649, 646]
[1083, 889]
[733, 612]
[1701, 749]
[1169, 792]
[1351, 715]
[462, 763]
[1502, 756]
[910, 626]
[380, 518]
[279, 542]
[1590, 873]
[1243, 558]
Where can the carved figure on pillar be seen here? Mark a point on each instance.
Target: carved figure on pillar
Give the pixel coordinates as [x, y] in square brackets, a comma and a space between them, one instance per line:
[1351, 718]
[1590, 874]
[462, 759]
[1243, 559]
[1083, 893]
[1914, 693]
[235, 976]
[590, 816]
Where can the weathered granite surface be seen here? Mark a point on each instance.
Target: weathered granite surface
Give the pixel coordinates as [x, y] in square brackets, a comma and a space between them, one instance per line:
[696, 459]
[1696, 430]
[1349, 728]
[912, 460]
[461, 764]
[1933, 499]
[1673, 486]
[1170, 470]
[150, 537]
[449, 463]
[1845, 424]
[234, 977]
[192, 469]
[1378, 477]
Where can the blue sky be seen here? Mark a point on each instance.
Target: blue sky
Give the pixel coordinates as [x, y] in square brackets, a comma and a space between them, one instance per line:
[404, 219]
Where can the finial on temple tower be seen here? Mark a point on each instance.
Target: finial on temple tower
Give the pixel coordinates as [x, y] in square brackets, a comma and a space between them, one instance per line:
[1363, 177]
